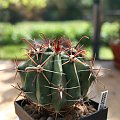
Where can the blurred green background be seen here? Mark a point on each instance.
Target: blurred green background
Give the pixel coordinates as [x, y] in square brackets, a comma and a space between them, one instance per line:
[55, 18]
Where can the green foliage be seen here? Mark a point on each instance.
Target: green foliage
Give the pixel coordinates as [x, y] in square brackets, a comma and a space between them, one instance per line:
[63, 10]
[10, 52]
[14, 11]
[113, 5]
[72, 30]
[27, 3]
[56, 74]
[109, 32]
[6, 33]
[86, 30]
[11, 34]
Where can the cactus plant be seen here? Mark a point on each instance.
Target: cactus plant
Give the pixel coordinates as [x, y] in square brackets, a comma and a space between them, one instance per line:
[55, 74]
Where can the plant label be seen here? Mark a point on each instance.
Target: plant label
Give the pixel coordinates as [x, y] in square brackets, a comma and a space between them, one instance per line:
[103, 100]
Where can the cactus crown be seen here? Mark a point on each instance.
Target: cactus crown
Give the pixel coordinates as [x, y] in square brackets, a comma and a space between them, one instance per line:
[56, 74]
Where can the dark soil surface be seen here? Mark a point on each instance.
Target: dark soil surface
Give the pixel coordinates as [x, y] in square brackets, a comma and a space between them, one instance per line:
[72, 113]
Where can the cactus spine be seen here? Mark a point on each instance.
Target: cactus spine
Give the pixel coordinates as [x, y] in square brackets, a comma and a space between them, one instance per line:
[56, 74]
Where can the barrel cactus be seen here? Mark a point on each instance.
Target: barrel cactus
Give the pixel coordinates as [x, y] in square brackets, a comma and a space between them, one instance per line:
[56, 74]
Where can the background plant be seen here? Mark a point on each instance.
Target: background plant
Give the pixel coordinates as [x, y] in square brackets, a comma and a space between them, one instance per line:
[11, 34]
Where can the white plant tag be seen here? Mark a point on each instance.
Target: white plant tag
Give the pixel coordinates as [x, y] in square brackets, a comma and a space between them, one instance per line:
[103, 100]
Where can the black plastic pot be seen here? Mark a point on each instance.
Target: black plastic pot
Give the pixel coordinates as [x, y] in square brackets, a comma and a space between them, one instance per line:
[23, 115]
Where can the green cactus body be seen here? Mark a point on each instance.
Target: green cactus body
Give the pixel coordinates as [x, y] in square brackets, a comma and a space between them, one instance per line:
[85, 77]
[54, 77]
[42, 92]
[58, 81]
[28, 87]
[74, 88]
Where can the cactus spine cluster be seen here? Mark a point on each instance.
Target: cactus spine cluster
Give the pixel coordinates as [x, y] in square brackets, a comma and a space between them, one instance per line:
[56, 73]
